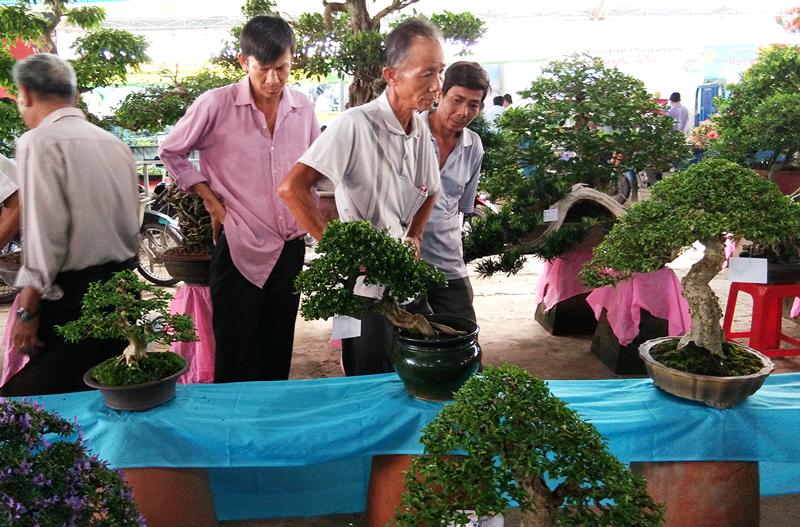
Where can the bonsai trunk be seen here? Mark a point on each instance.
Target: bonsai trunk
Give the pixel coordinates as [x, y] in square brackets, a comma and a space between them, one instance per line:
[136, 351]
[400, 318]
[547, 504]
[703, 303]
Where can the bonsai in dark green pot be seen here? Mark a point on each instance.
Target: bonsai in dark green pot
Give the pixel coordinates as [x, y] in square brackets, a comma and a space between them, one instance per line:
[511, 437]
[136, 380]
[705, 203]
[433, 355]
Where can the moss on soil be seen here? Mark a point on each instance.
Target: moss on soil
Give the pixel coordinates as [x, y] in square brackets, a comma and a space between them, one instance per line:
[698, 360]
[153, 367]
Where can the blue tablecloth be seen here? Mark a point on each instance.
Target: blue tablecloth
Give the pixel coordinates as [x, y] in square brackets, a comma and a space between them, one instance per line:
[303, 447]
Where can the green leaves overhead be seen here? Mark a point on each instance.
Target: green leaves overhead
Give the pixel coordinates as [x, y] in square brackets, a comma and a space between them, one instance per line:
[105, 57]
[346, 248]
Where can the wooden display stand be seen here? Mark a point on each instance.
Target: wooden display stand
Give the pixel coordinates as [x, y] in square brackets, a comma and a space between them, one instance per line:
[625, 360]
[572, 316]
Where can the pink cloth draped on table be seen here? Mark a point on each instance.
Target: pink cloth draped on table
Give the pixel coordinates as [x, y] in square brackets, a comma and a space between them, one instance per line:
[195, 300]
[658, 292]
[13, 360]
[559, 280]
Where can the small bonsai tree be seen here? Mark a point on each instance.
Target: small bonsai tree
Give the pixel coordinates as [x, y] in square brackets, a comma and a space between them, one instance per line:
[194, 221]
[705, 203]
[761, 113]
[115, 309]
[352, 249]
[514, 438]
[580, 114]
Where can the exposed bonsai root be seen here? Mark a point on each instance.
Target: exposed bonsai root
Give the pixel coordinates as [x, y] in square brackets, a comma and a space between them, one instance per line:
[404, 320]
[447, 330]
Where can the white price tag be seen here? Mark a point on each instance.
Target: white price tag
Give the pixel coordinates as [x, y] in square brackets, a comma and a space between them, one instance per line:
[750, 270]
[345, 327]
[551, 215]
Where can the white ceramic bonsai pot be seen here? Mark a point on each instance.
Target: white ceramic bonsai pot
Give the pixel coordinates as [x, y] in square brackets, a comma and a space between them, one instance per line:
[139, 397]
[719, 392]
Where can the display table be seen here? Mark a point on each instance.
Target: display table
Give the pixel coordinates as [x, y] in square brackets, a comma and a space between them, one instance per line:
[658, 292]
[195, 300]
[303, 447]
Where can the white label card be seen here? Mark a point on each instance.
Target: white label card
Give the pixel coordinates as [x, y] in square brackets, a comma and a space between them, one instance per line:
[551, 215]
[749, 270]
[345, 327]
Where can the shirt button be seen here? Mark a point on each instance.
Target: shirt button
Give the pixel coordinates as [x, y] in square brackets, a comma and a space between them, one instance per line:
[272, 148]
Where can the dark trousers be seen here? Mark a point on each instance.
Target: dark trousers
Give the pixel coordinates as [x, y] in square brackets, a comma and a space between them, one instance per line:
[371, 352]
[254, 326]
[455, 299]
[60, 365]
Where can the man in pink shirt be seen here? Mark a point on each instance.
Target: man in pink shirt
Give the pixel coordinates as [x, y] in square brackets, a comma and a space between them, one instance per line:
[249, 135]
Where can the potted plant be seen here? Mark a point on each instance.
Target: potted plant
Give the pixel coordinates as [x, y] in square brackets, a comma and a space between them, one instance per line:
[136, 380]
[759, 123]
[705, 203]
[432, 358]
[514, 441]
[191, 260]
[47, 477]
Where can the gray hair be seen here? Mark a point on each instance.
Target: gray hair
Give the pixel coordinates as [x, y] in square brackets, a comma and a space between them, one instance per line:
[47, 76]
[400, 39]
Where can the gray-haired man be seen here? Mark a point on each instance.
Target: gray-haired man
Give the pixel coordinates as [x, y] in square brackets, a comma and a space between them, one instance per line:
[80, 222]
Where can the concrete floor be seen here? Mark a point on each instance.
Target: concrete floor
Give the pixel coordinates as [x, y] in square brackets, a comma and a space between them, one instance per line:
[505, 308]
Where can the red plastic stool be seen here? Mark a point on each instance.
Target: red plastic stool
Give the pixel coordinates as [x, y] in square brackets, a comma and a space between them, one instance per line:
[765, 326]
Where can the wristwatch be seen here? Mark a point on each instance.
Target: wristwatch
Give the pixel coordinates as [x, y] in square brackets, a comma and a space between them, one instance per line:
[25, 316]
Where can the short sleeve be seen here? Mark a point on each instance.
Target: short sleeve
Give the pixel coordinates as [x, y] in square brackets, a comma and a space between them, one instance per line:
[332, 152]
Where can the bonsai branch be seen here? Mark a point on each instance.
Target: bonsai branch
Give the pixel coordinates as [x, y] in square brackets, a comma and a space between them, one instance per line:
[402, 319]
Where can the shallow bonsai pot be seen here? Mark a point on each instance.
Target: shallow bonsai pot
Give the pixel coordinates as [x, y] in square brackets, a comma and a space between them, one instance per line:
[191, 269]
[140, 397]
[432, 369]
[719, 392]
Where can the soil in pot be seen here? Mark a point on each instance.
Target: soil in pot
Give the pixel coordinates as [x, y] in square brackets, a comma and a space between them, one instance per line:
[153, 367]
[699, 361]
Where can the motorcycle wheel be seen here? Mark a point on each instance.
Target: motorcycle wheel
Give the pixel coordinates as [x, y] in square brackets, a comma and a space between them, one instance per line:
[622, 190]
[9, 292]
[156, 238]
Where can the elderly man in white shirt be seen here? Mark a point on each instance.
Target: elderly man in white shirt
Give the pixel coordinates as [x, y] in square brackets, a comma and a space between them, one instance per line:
[80, 221]
[380, 158]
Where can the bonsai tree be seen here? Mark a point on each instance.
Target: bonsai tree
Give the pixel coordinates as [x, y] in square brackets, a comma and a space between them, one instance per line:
[759, 122]
[513, 438]
[705, 203]
[194, 221]
[115, 309]
[352, 249]
[581, 113]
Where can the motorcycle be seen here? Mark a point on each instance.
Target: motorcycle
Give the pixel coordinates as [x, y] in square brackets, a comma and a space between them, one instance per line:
[159, 232]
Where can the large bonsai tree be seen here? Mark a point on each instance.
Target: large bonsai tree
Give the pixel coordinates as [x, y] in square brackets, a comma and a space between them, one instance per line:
[761, 116]
[116, 309]
[103, 56]
[347, 39]
[352, 249]
[581, 113]
[705, 203]
[512, 437]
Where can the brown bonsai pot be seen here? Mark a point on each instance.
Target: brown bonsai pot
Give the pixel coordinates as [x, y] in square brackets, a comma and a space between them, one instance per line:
[192, 269]
[719, 392]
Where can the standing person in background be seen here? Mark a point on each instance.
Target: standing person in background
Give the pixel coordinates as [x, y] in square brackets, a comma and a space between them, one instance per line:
[497, 108]
[249, 135]
[507, 101]
[680, 113]
[9, 197]
[79, 194]
[460, 154]
[380, 158]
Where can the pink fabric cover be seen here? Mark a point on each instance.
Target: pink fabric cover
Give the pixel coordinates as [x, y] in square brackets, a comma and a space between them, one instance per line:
[795, 307]
[658, 292]
[13, 360]
[559, 280]
[195, 300]
[730, 248]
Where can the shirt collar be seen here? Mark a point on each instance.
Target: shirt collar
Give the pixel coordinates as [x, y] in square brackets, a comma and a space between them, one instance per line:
[244, 96]
[62, 113]
[389, 117]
